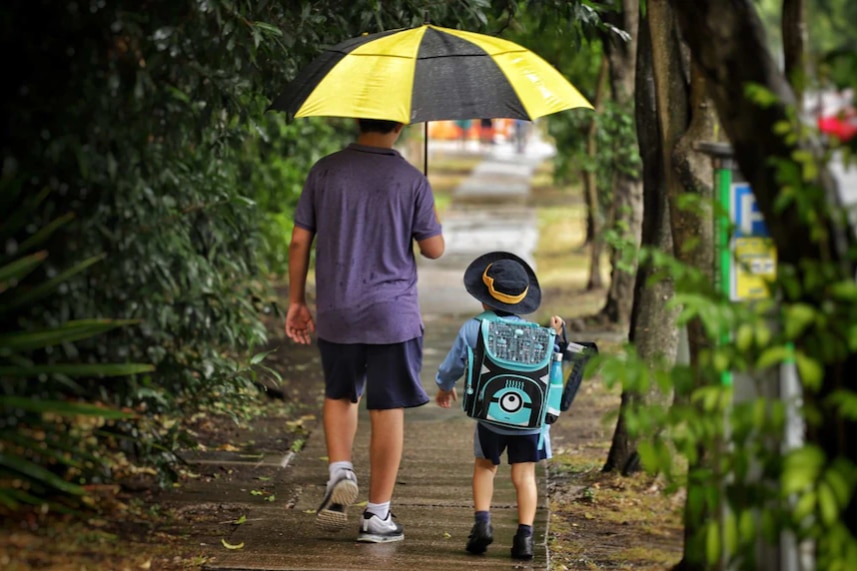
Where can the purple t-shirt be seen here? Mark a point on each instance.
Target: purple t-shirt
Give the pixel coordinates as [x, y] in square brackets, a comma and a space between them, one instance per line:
[365, 206]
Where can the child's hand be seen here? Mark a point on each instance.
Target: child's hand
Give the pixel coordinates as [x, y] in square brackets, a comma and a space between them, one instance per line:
[557, 323]
[444, 398]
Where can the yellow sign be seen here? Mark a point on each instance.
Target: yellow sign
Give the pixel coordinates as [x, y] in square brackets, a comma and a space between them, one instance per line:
[755, 266]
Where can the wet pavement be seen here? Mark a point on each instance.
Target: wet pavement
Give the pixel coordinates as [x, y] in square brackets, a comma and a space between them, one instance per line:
[433, 494]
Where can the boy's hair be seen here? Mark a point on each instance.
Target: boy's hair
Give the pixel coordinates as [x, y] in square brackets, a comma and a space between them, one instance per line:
[377, 126]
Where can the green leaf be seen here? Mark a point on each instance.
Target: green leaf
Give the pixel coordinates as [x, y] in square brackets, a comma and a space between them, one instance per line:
[763, 334]
[38, 473]
[773, 356]
[827, 508]
[797, 318]
[804, 506]
[44, 233]
[841, 486]
[43, 448]
[62, 408]
[47, 287]
[845, 402]
[801, 468]
[712, 542]
[744, 337]
[747, 526]
[852, 338]
[78, 370]
[810, 370]
[66, 333]
[730, 533]
[259, 357]
[845, 291]
[20, 268]
[273, 30]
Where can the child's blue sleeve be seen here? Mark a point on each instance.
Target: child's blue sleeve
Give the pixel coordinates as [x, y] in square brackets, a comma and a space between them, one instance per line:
[455, 362]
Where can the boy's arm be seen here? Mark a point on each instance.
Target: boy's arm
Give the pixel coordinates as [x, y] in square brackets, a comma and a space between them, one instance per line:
[299, 321]
[558, 324]
[452, 368]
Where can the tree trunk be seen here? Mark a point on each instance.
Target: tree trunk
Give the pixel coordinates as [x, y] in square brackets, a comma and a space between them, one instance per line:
[652, 329]
[627, 191]
[793, 27]
[729, 46]
[595, 216]
[685, 118]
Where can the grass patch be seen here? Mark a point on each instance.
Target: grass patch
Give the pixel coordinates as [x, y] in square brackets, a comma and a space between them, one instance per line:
[562, 263]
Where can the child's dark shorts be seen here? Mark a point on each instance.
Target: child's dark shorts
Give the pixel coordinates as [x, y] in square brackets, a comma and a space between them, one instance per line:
[521, 447]
[388, 374]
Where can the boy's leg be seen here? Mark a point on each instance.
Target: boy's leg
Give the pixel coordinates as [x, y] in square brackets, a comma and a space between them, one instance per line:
[340, 426]
[482, 533]
[524, 479]
[385, 452]
[385, 455]
[483, 484]
[344, 376]
[392, 384]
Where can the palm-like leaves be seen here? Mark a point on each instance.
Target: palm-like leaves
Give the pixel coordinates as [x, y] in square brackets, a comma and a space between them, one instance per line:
[35, 450]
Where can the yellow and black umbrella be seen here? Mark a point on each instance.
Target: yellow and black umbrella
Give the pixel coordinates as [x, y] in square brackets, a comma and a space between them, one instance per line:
[428, 74]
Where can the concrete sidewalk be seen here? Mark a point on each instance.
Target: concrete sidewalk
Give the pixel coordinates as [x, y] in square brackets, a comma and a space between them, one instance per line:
[433, 494]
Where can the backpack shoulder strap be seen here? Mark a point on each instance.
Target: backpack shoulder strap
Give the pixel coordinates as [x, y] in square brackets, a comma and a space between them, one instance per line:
[487, 316]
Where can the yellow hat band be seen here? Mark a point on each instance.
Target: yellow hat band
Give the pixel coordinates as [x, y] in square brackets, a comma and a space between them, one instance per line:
[498, 295]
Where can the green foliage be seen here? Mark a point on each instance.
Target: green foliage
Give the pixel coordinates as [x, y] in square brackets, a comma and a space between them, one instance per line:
[48, 443]
[137, 151]
[743, 464]
[274, 165]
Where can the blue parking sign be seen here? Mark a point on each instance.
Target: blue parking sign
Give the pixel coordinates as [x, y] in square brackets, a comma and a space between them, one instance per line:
[745, 212]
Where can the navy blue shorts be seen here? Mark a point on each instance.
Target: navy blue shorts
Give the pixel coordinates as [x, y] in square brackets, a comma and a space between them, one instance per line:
[389, 374]
[521, 447]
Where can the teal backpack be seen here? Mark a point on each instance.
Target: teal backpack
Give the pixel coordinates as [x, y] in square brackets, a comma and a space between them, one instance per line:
[513, 377]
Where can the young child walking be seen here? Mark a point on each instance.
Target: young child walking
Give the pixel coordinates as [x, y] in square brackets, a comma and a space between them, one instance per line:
[507, 286]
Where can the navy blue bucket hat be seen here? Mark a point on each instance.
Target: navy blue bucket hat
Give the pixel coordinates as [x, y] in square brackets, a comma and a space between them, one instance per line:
[503, 281]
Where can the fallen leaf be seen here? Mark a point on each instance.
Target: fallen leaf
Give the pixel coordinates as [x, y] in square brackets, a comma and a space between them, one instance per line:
[241, 520]
[146, 565]
[230, 546]
[446, 535]
[309, 511]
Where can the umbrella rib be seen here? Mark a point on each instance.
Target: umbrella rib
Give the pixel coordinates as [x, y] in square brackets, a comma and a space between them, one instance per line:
[473, 55]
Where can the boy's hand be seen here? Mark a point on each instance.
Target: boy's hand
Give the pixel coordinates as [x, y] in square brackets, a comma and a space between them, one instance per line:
[299, 323]
[557, 323]
[444, 398]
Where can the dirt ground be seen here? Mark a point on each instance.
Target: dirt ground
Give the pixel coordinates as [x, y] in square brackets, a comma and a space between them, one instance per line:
[598, 521]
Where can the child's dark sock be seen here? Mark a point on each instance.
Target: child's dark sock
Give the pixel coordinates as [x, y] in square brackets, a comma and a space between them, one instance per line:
[482, 517]
[524, 530]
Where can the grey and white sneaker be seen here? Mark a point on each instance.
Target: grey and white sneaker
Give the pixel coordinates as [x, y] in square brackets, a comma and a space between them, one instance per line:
[332, 513]
[373, 529]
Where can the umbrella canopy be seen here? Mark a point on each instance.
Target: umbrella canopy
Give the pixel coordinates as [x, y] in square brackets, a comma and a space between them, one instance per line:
[428, 74]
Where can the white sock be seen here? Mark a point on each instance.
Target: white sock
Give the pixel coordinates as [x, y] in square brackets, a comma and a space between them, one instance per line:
[336, 467]
[380, 510]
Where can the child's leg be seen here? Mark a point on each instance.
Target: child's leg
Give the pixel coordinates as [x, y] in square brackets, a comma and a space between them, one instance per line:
[483, 484]
[524, 479]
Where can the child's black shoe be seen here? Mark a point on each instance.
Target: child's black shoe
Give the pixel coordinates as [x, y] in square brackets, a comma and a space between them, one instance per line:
[522, 546]
[481, 536]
